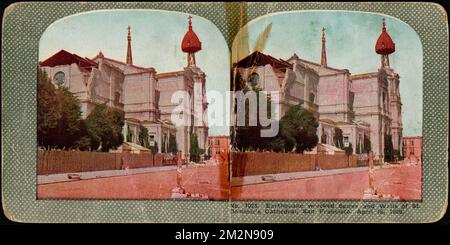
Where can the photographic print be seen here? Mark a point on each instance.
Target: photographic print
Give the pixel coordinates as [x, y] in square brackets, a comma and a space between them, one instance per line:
[123, 107]
[240, 112]
[348, 110]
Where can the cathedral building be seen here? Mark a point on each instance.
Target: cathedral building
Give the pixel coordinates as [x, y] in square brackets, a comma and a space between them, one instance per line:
[364, 106]
[140, 92]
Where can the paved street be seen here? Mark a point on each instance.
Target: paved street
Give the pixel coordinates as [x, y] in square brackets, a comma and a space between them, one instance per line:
[402, 180]
[209, 180]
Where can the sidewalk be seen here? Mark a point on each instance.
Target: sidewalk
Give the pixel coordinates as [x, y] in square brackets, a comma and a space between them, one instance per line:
[139, 184]
[398, 180]
[55, 178]
[267, 178]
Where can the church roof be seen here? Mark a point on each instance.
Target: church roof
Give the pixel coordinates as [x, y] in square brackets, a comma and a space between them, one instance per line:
[259, 59]
[316, 65]
[169, 74]
[190, 43]
[100, 55]
[364, 75]
[64, 57]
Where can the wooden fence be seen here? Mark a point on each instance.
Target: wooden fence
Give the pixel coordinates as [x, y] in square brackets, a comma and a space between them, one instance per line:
[53, 162]
[257, 163]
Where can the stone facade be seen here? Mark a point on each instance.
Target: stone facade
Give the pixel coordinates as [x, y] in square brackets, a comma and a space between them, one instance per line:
[362, 105]
[141, 93]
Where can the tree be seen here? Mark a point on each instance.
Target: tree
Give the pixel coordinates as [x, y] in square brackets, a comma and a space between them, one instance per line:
[48, 113]
[338, 138]
[85, 142]
[194, 150]
[358, 146]
[129, 136]
[349, 149]
[278, 144]
[143, 136]
[173, 148]
[248, 137]
[105, 126]
[367, 144]
[68, 128]
[323, 138]
[298, 129]
[208, 154]
[58, 115]
[388, 148]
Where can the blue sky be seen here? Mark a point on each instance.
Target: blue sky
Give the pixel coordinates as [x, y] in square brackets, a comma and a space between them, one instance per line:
[157, 35]
[350, 41]
[156, 42]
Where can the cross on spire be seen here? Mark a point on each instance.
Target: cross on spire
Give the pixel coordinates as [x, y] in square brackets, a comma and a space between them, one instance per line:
[190, 22]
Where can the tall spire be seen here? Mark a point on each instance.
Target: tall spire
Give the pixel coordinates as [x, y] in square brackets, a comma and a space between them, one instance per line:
[129, 55]
[323, 61]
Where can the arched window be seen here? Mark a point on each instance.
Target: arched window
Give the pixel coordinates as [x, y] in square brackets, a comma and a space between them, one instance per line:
[253, 79]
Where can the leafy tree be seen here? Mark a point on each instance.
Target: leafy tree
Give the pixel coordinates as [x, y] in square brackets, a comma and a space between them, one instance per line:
[85, 142]
[58, 115]
[367, 144]
[173, 148]
[338, 138]
[105, 126]
[48, 113]
[209, 151]
[143, 136]
[358, 146]
[68, 129]
[298, 129]
[129, 135]
[60, 125]
[277, 144]
[249, 137]
[194, 150]
[349, 149]
[388, 148]
[323, 138]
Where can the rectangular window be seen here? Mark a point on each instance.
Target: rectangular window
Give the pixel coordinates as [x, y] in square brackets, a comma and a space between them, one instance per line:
[151, 140]
[346, 143]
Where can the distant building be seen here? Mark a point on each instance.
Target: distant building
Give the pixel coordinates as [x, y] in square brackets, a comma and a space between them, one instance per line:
[219, 147]
[412, 148]
[141, 93]
[362, 105]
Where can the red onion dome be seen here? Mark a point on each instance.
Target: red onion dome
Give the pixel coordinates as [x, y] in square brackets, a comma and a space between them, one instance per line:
[384, 44]
[190, 43]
